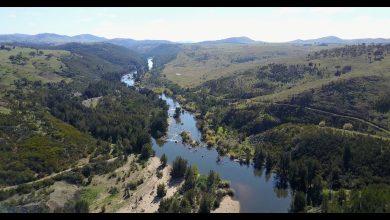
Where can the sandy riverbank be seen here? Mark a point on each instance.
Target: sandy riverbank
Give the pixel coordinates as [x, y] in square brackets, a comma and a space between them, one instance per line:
[148, 191]
[228, 205]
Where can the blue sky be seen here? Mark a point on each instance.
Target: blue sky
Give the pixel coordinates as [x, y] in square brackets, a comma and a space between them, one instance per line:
[197, 24]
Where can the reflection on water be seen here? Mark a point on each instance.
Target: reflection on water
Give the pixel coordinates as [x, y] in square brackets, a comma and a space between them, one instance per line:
[252, 187]
[150, 63]
[129, 78]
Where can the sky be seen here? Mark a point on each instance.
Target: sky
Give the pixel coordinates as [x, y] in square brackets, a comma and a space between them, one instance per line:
[199, 24]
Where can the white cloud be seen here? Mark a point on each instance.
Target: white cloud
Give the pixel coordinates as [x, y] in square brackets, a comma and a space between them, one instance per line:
[330, 10]
[270, 24]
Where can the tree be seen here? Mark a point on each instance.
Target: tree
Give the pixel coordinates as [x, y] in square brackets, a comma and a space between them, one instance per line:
[190, 178]
[179, 167]
[185, 206]
[81, 206]
[163, 160]
[299, 202]
[146, 151]
[347, 156]
[284, 164]
[371, 199]
[169, 205]
[177, 112]
[213, 180]
[335, 178]
[342, 196]
[325, 205]
[205, 203]
[269, 164]
[346, 69]
[315, 192]
[161, 191]
[259, 158]
[337, 70]
[369, 56]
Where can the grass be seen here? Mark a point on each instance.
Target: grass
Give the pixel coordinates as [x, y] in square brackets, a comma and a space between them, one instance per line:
[4, 110]
[360, 68]
[92, 102]
[38, 67]
[197, 64]
[91, 193]
[69, 131]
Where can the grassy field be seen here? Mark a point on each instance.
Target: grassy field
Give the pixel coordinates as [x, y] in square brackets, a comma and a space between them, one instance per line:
[196, 64]
[360, 68]
[92, 102]
[34, 67]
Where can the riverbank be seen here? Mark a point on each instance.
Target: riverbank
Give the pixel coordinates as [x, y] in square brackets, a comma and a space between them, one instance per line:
[148, 190]
[228, 205]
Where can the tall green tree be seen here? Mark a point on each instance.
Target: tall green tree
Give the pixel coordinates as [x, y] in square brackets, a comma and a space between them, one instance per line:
[190, 178]
[179, 168]
[299, 202]
[347, 157]
[164, 160]
[205, 203]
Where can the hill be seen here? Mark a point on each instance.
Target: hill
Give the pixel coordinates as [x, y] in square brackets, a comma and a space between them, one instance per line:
[49, 38]
[231, 40]
[198, 63]
[337, 40]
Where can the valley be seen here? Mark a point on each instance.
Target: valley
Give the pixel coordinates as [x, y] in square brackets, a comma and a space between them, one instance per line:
[226, 126]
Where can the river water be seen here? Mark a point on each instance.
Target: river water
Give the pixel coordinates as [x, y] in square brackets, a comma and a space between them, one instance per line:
[254, 189]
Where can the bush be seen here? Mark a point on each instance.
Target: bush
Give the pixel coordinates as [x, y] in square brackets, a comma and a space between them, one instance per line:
[161, 191]
[81, 206]
[113, 190]
[132, 185]
[159, 174]
[23, 189]
[348, 126]
[72, 177]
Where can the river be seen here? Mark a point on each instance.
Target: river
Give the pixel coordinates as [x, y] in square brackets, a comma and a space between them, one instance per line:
[254, 189]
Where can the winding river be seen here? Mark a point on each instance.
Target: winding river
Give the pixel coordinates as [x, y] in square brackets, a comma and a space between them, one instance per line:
[254, 189]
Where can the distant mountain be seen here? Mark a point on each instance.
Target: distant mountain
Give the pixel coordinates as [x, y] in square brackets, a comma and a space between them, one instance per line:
[144, 46]
[231, 40]
[48, 38]
[55, 39]
[130, 43]
[337, 40]
[88, 38]
[141, 46]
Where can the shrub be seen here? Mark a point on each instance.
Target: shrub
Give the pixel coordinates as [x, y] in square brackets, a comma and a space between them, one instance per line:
[347, 126]
[161, 191]
[132, 185]
[81, 206]
[113, 190]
